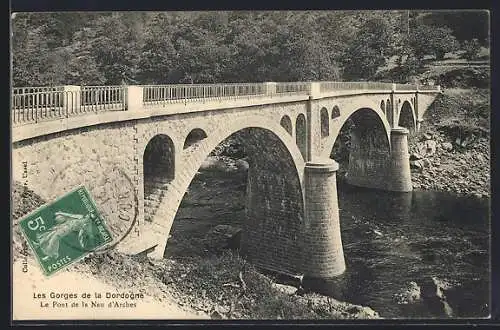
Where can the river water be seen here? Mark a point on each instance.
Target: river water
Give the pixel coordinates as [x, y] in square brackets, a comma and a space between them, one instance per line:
[389, 239]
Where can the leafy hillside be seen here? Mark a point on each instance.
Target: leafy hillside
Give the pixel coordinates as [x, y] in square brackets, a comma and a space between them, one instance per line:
[209, 47]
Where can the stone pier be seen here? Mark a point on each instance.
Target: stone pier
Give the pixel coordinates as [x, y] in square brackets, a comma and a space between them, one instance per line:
[324, 257]
[399, 176]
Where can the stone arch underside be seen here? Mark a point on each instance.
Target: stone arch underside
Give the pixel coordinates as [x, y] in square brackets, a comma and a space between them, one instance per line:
[272, 234]
[388, 111]
[325, 122]
[194, 137]
[274, 210]
[301, 134]
[159, 171]
[286, 123]
[407, 117]
[368, 148]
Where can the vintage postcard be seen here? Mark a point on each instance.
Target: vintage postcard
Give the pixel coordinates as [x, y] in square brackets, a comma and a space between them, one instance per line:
[265, 165]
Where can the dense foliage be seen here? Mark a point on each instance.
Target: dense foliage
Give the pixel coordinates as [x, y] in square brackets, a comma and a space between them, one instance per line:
[438, 41]
[209, 47]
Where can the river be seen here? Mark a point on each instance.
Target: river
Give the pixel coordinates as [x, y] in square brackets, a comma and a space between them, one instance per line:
[390, 239]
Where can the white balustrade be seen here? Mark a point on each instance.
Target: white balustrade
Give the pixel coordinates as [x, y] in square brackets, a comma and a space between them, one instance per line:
[35, 104]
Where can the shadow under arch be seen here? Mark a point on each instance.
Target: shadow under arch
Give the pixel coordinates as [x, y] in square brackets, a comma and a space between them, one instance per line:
[372, 108]
[407, 117]
[325, 122]
[286, 123]
[388, 111]
[158, 170]
[301, 134]
[196, 135]
[362, 148]
[274, 209]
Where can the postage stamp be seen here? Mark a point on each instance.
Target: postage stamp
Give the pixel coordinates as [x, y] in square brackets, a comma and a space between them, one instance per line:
[113, 193]
[66, 230]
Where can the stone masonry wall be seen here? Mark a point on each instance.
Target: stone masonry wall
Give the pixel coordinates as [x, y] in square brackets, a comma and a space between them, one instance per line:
[273, 233]
[99, 157]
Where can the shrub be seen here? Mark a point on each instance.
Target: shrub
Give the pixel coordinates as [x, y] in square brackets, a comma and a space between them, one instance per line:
[471, 49]
[465, 77]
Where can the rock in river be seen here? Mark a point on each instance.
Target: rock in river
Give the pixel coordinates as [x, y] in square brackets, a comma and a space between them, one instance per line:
[409, 294]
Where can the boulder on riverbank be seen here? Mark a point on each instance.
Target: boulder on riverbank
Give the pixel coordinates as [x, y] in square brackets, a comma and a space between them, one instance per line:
[345, 310]
[223, 237]
[464, 171]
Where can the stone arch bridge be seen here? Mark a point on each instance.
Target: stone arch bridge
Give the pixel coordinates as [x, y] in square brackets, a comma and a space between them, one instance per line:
[158, 136]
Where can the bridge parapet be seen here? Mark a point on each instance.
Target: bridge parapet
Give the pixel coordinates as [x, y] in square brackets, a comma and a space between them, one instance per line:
[327, 86]
[37, 104]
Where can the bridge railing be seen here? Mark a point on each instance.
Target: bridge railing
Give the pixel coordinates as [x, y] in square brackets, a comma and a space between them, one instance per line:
[42, 106]
[103, 98]
[330, 86]
[41, 89]
[293, 87]
[405, 87]
[429, 88]
[158, 94]
[34, 104]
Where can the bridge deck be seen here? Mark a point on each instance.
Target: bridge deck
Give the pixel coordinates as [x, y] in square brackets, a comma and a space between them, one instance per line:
[52, 108]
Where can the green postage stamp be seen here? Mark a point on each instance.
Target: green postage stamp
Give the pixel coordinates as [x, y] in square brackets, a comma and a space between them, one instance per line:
[65, 230]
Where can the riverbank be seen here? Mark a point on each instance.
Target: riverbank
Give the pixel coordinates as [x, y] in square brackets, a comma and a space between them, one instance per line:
[452, 150]
[217, 285]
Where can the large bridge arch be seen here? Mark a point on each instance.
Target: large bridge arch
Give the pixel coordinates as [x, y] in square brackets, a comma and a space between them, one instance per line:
[275, 201]
[369, 146]
[346, 112]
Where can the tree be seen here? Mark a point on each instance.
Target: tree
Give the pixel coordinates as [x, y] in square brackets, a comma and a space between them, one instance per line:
[82, 68]
[432, 40]
[369, 50]
[303, 54]
[158, 57]
[115, 48]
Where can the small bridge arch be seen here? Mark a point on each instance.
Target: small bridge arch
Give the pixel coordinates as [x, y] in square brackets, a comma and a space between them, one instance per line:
[194, 136]
[286, 123]
[406, 117]
[158, 171]
[301, 134]
[325, 122]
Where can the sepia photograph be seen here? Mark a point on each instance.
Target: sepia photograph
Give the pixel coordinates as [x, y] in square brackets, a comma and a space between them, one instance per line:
[250, 165]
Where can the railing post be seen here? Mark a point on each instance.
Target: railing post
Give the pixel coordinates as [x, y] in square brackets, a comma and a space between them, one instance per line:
[134, 98]
[270, 88]
[393, 88]
[74, 104]
[314, 89]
